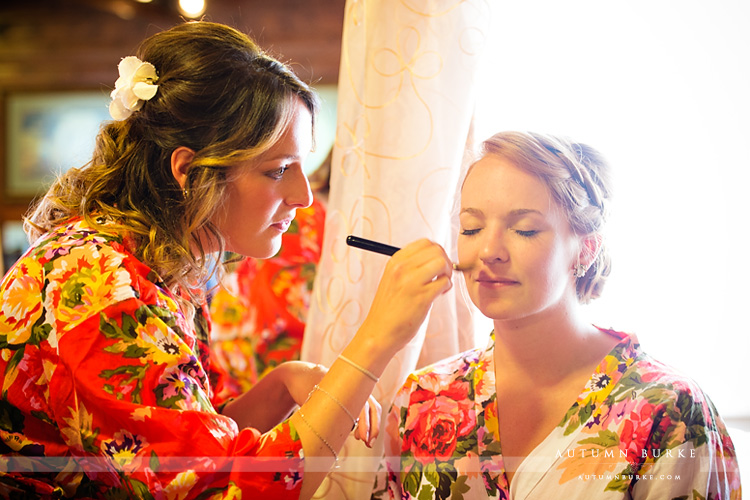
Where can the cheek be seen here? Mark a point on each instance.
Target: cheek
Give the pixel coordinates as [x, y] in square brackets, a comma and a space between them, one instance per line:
[462, 248]
[247, 200]
[555, 268]
[467, 247]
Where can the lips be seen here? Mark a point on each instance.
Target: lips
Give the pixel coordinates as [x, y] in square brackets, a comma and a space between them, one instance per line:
[283, 224]
[489, 280]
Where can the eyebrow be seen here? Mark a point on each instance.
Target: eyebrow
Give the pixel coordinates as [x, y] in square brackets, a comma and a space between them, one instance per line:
[524, 211]
[280, 157]
[513, 213]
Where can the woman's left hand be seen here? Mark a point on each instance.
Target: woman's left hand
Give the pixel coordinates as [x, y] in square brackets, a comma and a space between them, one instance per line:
[368, 428]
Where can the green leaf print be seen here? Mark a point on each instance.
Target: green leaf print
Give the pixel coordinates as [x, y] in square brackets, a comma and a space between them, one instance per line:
[426, 493]
[14, 360]
[445, 480]
[11, 418]
[133, 375]
[468, 443]
[108, 326]
[492, 448]
[412, 478]
[153, 462]
[404, 411]
[39, 332]
[459, 487]
[441, 476]
[132, 488]
[43, 417]
[605, 439]
[621, 481]
[212, 492]
[630, 381]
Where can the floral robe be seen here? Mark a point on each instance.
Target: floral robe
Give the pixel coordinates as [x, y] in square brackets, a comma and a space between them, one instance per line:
[259, 313]
[638, 430]
[105, 386]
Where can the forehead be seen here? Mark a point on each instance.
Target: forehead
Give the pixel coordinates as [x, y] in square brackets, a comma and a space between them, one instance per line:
[294, 132]
[496, 181]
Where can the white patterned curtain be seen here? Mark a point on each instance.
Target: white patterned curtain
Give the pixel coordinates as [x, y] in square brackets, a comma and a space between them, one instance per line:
[405, 107]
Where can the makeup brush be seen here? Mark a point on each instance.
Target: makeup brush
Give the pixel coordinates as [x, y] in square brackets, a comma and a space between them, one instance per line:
[382, 248]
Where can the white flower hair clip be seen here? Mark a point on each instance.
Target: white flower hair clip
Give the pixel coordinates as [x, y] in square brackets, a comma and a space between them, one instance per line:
[137, 83]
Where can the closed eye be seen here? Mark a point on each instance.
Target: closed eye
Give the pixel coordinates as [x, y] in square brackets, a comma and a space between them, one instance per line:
[527, 234]
[469, 232]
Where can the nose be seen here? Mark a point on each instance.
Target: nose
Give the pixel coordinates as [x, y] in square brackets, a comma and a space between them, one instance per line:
[493, 248]
[298, 194]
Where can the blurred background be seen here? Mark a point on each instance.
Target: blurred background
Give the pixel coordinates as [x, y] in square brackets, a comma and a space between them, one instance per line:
[58, 63]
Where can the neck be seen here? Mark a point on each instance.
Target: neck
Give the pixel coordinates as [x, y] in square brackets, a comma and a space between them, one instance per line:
[547, 345]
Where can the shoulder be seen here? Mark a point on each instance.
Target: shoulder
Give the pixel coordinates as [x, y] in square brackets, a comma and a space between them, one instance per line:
[647, 374]
[87, 269]
[75, 236]
[672, 393]
[656, 385]
[651, 374]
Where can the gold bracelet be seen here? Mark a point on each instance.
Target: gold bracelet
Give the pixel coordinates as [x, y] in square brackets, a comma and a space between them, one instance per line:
[360, 368]
[355, 421]
[333, 452]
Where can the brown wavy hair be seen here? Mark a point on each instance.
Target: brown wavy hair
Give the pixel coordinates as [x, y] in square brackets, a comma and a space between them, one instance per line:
[220, 95]
[580, 180]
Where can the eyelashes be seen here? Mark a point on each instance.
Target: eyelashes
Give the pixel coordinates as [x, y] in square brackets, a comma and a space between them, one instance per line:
[277, 173]
[526, 234]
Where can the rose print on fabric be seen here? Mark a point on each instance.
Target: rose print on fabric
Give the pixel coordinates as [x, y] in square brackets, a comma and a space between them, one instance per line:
[435, 421]
[637, 429]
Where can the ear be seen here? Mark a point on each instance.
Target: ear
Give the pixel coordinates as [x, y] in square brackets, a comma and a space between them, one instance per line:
[181, 158]
[591, 244]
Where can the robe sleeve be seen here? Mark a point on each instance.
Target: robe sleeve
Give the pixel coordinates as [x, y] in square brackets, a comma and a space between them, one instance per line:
[690, 454]
[131, 399]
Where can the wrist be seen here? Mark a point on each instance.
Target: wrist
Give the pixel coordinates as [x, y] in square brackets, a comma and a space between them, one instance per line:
[370, 350]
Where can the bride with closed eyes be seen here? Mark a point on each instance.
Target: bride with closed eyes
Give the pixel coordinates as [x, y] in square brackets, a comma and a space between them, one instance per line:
[520, 417]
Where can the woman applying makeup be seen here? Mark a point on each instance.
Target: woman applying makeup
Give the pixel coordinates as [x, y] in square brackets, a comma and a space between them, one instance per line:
[107, 384]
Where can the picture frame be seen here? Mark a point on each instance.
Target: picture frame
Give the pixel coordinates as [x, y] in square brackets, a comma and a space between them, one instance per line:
[47, 133]
[13, 242]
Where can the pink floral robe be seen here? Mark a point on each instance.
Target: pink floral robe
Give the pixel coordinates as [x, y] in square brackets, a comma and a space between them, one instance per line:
[638, 430]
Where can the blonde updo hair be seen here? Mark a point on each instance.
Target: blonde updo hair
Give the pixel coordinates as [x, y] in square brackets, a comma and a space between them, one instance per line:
[579, 179]
[218, 94]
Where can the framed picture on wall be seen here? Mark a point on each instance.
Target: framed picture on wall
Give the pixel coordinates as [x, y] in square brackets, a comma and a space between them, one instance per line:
[13, 242]
[46, 133]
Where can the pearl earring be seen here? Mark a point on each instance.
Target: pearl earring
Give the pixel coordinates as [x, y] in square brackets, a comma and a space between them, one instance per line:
[579, 271]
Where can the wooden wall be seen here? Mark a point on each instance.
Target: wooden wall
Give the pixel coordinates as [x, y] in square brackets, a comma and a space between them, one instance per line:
[50, 45]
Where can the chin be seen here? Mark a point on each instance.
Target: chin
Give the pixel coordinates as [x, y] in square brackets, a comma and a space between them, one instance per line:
[271, 250]
[501, 312]
[266, 250]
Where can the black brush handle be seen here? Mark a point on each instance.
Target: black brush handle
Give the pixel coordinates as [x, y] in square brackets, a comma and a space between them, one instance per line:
[372, 246]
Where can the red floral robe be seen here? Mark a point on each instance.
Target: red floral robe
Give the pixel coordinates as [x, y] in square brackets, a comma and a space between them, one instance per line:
[105, 387]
